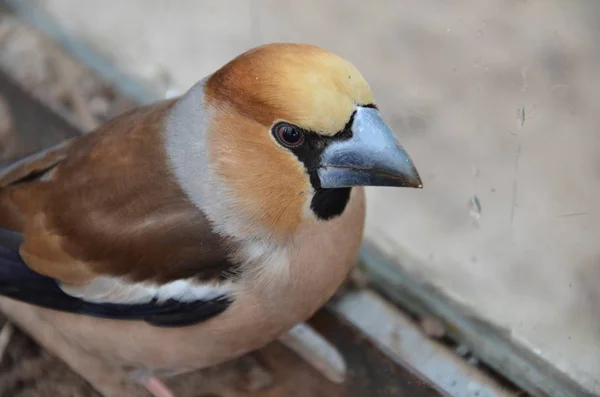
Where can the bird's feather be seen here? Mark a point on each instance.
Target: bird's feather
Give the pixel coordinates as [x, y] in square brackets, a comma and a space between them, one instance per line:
[18, 281]
[105, 206]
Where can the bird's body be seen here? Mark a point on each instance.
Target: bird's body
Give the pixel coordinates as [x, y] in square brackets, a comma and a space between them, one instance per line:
[257, 317]
[191, 231]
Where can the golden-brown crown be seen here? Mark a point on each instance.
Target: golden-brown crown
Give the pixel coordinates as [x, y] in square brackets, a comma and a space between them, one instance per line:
[299, 83]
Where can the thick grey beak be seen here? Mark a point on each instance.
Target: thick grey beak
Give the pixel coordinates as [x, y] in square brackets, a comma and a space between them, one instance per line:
[372, 157]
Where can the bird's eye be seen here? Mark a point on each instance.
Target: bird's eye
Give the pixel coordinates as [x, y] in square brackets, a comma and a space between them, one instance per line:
[289, 135]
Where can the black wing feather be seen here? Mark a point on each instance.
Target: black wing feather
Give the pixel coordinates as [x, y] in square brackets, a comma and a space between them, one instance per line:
[19, 282]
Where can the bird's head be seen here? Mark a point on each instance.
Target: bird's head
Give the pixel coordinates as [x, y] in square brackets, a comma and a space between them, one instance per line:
[289, 129]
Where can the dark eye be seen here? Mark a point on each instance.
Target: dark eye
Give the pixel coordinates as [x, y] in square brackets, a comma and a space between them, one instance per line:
[289, 135]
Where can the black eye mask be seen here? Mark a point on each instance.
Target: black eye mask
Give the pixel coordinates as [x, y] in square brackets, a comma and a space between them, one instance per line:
[326, 203]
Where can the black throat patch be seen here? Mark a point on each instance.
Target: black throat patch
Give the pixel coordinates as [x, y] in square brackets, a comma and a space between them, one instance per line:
[329, 203]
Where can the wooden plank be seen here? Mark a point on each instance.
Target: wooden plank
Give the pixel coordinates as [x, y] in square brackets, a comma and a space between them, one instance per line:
[26, 134]
[491, 344]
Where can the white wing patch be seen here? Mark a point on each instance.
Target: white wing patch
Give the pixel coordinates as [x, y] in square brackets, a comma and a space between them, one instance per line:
[116, 290]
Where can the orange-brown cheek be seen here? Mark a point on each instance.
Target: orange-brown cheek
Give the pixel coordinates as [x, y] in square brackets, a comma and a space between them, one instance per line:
[269, 183]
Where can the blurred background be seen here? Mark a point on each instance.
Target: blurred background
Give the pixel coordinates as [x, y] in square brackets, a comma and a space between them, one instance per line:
[497, 101]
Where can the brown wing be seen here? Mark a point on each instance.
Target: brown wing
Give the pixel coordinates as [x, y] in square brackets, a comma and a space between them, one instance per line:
[105, 204]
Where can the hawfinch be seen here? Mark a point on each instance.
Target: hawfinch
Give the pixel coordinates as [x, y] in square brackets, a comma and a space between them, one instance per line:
[205, 226]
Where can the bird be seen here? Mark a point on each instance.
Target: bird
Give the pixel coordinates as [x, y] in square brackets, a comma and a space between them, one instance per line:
[206, 225]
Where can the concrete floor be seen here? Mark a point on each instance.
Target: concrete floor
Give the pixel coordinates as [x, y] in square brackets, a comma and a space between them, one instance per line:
[495, 99]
